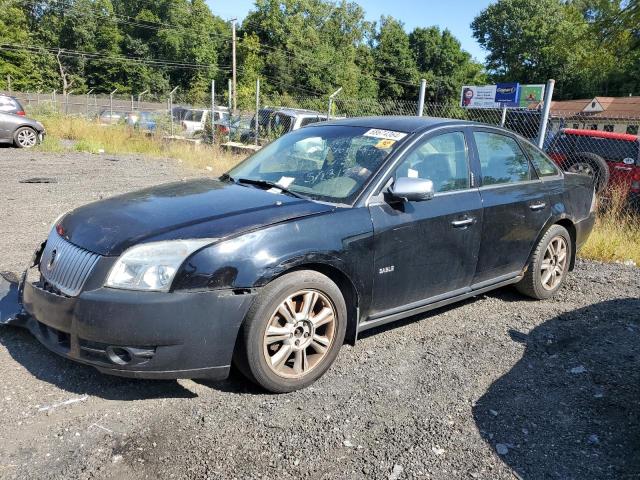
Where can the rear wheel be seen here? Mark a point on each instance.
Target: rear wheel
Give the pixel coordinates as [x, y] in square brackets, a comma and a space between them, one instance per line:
[25, 137]
[549, 264]
[293, 332]
[591, 165]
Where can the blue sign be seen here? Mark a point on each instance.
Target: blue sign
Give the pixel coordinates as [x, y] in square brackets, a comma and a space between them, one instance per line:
[508, 94]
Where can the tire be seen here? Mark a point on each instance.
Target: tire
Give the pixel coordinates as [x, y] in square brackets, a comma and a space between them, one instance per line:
[25, 137]
[533, 284]
[299, 347]
[592, 165]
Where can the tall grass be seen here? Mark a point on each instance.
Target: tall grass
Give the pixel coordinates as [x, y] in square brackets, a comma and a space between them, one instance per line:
[89, 136]
[616, 236]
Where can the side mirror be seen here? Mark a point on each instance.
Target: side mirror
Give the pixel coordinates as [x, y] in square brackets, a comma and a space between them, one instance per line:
[412, 189]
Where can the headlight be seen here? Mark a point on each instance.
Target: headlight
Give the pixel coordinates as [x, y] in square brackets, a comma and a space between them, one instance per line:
[152, 266]
[57, 220]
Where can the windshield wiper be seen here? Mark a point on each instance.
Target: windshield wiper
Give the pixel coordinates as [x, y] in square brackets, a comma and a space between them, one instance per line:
[270, 184]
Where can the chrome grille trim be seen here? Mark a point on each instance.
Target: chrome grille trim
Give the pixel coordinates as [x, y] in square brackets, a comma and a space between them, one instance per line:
[71, 265]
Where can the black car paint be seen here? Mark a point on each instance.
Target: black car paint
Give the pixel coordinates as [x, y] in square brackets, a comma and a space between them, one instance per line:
[257, 236]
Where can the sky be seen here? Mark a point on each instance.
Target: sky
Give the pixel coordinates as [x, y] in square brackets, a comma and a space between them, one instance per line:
[456, 15]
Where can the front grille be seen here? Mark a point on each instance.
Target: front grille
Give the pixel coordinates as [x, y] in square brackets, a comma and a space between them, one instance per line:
[65, 266]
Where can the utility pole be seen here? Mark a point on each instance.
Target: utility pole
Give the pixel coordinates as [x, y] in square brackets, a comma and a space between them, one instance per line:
[233, 62]
[9, 81]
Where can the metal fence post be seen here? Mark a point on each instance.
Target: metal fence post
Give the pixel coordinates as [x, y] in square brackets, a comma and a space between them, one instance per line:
[503, 119]
[230, 101]
[213, 111]
[111, 105]
[87, 106]
[331, 97]
[423, 93]
[140, 95]
[257, 110]
[171, 107]
[548, 96]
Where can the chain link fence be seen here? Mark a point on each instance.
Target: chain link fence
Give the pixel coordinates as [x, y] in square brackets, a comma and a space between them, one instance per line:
[608, 149]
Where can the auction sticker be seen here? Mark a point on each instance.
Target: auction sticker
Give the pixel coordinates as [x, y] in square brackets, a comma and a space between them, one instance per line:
[385, 134]
[385, 143]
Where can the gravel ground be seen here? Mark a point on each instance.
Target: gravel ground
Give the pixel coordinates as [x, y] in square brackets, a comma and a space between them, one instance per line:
[494, 388]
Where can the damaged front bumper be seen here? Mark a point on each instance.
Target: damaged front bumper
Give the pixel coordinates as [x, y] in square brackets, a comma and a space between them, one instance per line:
[133, 334]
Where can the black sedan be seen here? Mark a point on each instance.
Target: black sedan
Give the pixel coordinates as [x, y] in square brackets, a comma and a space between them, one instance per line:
[20, 131]
[325, 233]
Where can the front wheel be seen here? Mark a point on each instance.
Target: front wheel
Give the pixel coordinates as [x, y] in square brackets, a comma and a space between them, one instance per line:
[549, 265]
[25, 137]
[293, 332]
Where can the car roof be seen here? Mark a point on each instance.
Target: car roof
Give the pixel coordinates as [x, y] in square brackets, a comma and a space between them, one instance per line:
[296, 111]
[601, 134]
[403, 124]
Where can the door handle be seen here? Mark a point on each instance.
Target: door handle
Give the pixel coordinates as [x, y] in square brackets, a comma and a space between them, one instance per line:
[537, 206]
[463, 223]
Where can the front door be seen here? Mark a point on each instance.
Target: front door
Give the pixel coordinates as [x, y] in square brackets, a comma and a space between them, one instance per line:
[425, 249]
[516, 207]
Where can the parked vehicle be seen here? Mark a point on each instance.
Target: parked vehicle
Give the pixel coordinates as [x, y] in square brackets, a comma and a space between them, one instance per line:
[20, 131]
[11, 105]
[275, 122]
[327, 232]
[194, 120]
[108, 117]
[611, 159]
[145, 121]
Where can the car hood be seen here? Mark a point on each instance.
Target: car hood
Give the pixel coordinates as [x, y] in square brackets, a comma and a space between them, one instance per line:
[203, 208]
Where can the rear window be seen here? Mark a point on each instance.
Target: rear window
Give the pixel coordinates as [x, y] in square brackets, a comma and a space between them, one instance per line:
[543, 165]
[8, 104]
[608, 148]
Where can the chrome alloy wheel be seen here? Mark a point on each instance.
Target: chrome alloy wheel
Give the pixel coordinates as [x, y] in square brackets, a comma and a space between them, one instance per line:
[299, 334]
[554, 263]
[27, 138]
[582, 168]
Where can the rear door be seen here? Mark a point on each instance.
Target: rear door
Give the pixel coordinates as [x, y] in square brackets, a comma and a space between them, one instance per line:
[516, 205]
[426, 249]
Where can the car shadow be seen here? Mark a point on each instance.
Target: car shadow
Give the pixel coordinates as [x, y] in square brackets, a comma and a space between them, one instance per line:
[81, 379]
[570, 408]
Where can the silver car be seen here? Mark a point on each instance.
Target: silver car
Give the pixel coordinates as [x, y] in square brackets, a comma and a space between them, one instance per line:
[20, 131]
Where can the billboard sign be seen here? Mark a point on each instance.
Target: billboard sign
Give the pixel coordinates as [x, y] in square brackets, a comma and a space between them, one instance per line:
[479, 97]
[508, 94]
[531, 95]
[511, 95]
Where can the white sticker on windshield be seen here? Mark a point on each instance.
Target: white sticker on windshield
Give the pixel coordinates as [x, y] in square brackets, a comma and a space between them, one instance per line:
[412, 173]
[386, 134]
[285, 182]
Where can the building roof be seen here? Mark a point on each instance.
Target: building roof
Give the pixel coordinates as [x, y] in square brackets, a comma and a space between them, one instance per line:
[598, 107]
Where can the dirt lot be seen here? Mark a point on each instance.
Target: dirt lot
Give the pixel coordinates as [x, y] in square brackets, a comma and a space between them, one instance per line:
[494, 388]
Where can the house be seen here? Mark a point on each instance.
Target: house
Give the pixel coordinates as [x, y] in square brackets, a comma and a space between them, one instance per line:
[609, 114]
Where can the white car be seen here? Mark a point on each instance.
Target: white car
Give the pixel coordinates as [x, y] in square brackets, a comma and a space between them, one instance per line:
[194, 120]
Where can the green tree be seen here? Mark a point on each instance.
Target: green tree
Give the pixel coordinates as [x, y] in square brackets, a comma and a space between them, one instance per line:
[396, 65]
[531, 41]
[442, 62]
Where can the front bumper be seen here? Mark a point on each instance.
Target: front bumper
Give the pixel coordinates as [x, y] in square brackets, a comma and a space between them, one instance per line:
[140, 334]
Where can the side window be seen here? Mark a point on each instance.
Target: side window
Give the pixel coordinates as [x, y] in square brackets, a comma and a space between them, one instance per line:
[544, 165]
[502, 160]
[442, 159]
[308, 121]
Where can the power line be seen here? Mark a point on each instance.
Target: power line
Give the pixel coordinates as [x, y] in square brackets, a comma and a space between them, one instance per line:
[105, 56]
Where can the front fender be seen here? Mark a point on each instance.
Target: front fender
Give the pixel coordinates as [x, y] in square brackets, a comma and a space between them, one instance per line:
[342, 239]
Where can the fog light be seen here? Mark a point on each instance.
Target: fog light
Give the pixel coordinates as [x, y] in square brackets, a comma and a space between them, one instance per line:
[119, 355]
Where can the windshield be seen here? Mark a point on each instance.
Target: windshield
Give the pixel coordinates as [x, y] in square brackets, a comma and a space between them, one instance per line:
[327, 163]
[193, 116]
